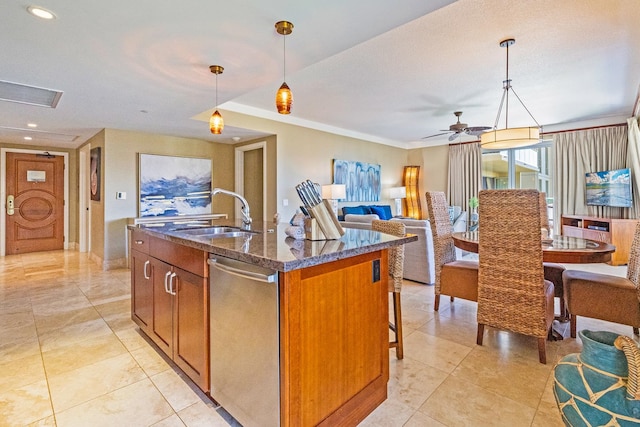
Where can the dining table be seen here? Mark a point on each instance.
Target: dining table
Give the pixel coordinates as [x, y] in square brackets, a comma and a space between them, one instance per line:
[561, 249]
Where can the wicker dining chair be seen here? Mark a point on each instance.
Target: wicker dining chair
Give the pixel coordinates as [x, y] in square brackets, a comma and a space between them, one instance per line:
[512, 291]
[605, 297]
[396, 260]
[456, 278]
[553, 271]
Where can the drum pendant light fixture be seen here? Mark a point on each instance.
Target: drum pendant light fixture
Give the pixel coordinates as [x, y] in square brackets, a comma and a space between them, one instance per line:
[216, 123]
[509, 137]
[284, 98]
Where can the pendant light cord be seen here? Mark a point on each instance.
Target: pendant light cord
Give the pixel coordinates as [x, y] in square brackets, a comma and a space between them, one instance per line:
[284, 58]
[506, 85]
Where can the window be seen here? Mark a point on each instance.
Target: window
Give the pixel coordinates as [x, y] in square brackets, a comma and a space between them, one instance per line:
[529, 167]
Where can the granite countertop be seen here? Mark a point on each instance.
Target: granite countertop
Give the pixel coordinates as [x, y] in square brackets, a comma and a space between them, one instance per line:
[269, 246]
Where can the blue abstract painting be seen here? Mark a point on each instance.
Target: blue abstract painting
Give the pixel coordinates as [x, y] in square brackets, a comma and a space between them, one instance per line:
[171, 186]
[361, 180]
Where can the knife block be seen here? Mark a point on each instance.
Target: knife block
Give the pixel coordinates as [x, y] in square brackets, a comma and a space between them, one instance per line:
[312, 230]
[325, 225]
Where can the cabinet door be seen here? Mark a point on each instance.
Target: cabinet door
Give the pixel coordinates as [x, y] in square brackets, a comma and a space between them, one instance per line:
[141, 290]
[191, 339]
[162, 333]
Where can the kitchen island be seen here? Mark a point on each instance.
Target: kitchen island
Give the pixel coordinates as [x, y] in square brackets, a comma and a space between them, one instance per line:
[327, 361]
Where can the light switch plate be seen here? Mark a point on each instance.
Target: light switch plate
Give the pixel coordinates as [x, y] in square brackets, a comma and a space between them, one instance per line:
[121, 195]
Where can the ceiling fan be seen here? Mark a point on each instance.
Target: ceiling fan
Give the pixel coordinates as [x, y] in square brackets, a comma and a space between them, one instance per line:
[459, 128]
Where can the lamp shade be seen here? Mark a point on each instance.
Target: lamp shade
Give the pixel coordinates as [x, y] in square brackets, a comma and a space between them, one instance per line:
[334, 192]
[284, 98]
[216, 123]
[397, 192]
[510, 138]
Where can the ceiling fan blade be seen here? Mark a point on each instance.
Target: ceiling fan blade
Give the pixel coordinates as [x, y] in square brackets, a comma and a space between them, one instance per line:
[476, 130]
[454, 136]
[437, 134]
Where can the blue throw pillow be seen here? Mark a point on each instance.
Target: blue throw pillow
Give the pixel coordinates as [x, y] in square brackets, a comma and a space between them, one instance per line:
[367, 209]
[382, 212]
[352, 210]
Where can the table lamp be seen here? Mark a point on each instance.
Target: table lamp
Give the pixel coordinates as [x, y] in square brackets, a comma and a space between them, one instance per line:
[333, 193]
[398, 193]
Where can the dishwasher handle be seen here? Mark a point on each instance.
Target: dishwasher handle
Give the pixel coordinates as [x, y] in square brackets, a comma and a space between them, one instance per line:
[267, 278]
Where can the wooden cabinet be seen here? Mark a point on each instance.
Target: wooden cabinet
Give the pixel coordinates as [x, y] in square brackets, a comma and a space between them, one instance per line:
[334, 341]
[618, 232]
[141, 282]
[172, 305]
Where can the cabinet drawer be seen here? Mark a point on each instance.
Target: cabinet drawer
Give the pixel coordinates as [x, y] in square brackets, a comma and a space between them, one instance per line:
[140, 241]
[184, 257]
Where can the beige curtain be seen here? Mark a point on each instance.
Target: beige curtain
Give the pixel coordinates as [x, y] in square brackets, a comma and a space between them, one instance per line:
[633, 162]
[465, 173]
[579, 152]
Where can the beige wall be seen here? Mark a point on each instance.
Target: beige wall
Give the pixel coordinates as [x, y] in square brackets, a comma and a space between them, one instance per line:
[97, 208]
[120, 174]
[434, 170]
[294, 154]
[304, 153]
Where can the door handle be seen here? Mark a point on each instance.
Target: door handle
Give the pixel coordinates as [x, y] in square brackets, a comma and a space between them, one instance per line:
[166, 282]
[146, 266]
[10, 205]
[171, 282]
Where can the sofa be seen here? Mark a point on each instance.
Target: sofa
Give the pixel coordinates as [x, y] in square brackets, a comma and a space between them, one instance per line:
[419, 262]
[418, 256]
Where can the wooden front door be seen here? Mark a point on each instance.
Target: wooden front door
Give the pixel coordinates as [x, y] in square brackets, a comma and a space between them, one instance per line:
[36, 184]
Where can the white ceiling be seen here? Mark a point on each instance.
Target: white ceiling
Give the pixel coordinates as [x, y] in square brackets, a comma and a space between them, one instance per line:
[388, 72]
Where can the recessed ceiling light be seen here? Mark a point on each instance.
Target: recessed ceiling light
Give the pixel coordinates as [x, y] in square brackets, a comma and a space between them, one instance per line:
[27, 138]
[32, 125]
[40, 12]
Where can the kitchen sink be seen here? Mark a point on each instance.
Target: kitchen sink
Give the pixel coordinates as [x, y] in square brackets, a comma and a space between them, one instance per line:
[218, 232]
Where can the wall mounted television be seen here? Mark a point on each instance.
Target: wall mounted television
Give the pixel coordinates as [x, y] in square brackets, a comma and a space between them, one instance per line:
[609, 188]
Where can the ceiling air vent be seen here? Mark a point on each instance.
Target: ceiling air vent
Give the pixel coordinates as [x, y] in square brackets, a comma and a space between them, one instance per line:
[15, 92]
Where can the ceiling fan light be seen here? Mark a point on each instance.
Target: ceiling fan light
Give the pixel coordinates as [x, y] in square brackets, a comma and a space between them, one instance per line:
[500, 139]
[216, 123]
[284, 98]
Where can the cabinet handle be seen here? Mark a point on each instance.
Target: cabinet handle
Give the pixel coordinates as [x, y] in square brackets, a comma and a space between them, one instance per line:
[171, 282]
[146, 275]
[139, 242]
[166, 282]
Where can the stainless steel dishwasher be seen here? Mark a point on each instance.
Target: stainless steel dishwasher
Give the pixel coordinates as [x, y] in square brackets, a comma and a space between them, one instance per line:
[245, 358]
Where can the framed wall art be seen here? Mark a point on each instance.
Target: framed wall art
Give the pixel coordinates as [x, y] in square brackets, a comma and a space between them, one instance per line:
[172, 186]
[361, 180]
[94, 173]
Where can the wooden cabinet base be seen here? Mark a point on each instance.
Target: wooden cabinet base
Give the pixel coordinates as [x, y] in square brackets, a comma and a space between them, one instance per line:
[334, 341]
[618, 232]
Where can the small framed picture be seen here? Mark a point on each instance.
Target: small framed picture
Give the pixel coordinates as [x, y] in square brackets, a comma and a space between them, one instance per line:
[94, 174]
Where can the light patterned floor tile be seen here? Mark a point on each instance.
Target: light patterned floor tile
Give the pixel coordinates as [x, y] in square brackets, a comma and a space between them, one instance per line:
[137, 405]
[433, 351]
[24, 405]
[201, 414]
[74, 387]
[175, 389]
[459, 403]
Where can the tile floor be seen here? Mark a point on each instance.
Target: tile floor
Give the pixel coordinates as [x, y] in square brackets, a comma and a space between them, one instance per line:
[71, 356]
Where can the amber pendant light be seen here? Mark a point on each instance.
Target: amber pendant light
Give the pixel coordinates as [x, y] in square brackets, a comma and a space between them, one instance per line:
[216, 123]
[284, 98]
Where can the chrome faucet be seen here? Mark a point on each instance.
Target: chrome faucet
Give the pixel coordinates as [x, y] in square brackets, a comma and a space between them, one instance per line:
[246, 218]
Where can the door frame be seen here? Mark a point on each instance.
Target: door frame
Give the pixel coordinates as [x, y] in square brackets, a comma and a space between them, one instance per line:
[3, 192]
[84, 207]
[239, 186]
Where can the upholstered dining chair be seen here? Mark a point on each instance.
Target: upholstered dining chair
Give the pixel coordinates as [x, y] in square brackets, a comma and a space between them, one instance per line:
[512, 291]
[552, 271]
[396, 260]
[456, 278]
[605, 297]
